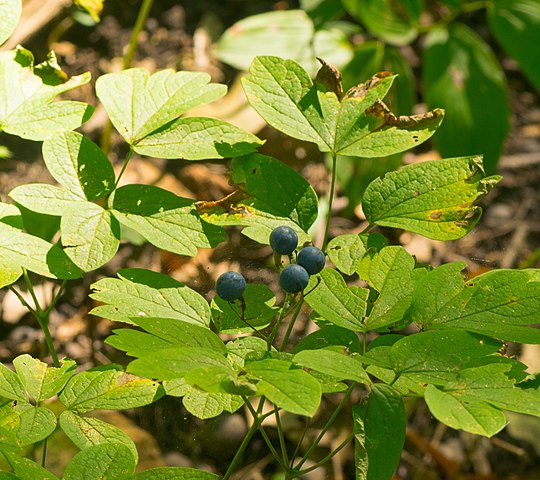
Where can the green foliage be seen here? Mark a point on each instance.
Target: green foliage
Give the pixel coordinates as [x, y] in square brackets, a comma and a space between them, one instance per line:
[179, 343]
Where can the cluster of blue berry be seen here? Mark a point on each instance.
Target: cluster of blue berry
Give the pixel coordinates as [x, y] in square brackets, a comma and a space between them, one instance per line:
[293, 278]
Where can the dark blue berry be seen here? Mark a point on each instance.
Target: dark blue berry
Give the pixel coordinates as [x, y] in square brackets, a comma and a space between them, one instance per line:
[312, 259]
[283, 240]
[230, 286]
[293, 278]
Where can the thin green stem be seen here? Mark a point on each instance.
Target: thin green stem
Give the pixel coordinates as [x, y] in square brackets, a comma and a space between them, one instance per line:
[328, 457]
[257, 421]
[327, 425]
[330, 201]
[139, 24]
[240, 451]
[124, 166]
[279, 320]
[44, 454]
[292, 321]
[56, 296]
[281, 438]
[31, 291]
[299, 443]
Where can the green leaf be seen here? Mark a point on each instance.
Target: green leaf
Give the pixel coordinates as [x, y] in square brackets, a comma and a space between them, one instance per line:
[516, 25]
[282, 92]
[499, 303]
[478, 417]
[393, 23]
[26, 94]
[198, 138]
[18, 249]
[90, 235]
[176, 362]
[102, 461]
[164, 219]
[333, 363]
[258, 311]
[294, 390]
[163, 333]
[436, 357]
[43, 198]
[346, 251]
[435, 199]
[87, 431]
[246, 348]
[26, 469]
[391, 274]
[286, 33]
[175, 473]
[142, 293]
[41, 381]
[276, 188]
[11, 215]
[457, 65]
[10, 12]
[138, 103]
[341, 305]
[206, 405]
[79, 165]
[107, 389]
[330, 336]
[10, 385]
[382, 423]
[25, 423]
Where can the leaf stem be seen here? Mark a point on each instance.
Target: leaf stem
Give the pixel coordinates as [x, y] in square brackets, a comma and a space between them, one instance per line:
[124, 166]
[281, 438]
[330, 201]
[327, 425]
[279, 320]
[341, 446]
[292, 321]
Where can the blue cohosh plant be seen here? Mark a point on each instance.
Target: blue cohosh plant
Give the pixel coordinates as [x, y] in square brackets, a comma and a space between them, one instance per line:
[178, 340]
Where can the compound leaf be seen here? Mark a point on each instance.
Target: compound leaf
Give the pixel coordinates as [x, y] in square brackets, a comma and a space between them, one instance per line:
[87, 431]
[90, 235]
[290, 388]
[107, 389]
[142, 293]
[341, 305]
[258, 311]
[166, 220]
[276, 188]
[26, 94]
[435, 199]
[499, 303]
[19, 249]
[41, 381]
[79, 165]
[97, 462]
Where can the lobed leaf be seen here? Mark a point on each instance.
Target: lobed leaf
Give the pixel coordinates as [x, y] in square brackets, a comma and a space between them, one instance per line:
[435, 199]
[142, 293]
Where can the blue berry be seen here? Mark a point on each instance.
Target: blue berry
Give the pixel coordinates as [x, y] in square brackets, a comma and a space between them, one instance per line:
[283, 240]
[230, 286]
[293, 278]
[312, 259]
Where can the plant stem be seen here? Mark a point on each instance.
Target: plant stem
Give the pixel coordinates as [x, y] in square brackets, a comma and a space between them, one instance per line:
[281, 438]
[257, 421]
[327, 425]
[292, 321]
[44, 454]
[330, 201]
[124, 166]
[341, 446]
[276, 326]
